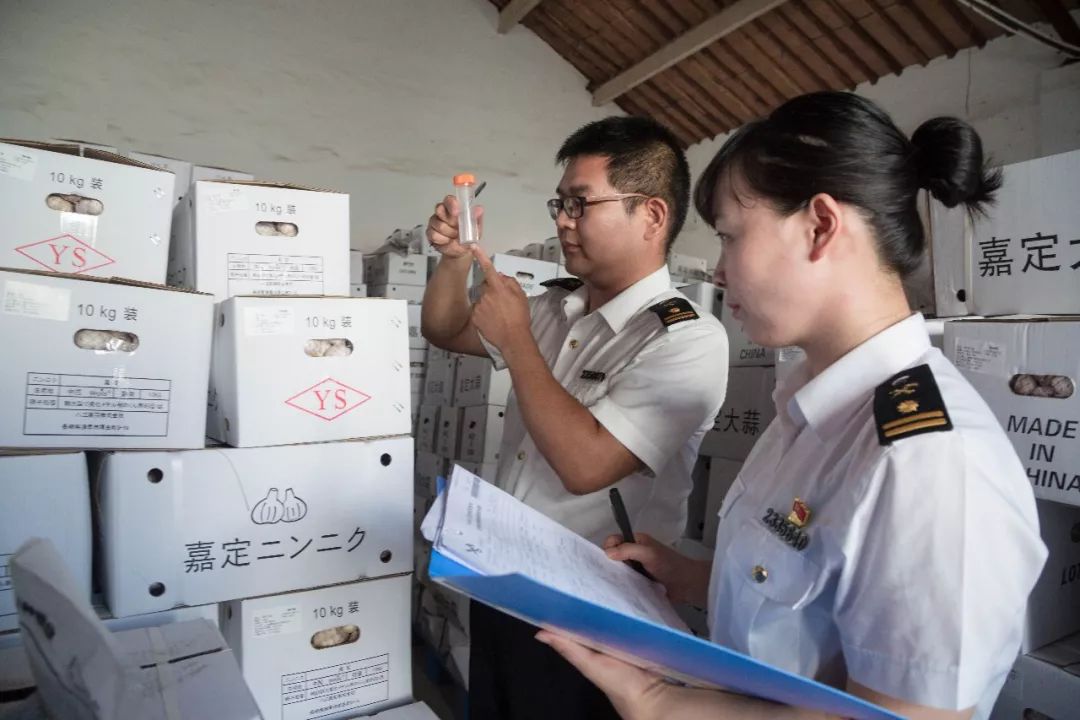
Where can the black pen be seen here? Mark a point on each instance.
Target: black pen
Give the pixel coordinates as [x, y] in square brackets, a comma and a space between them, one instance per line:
[623, 521]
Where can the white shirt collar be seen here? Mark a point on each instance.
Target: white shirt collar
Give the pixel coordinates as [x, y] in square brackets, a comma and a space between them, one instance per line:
[851, 379]
[618, 311]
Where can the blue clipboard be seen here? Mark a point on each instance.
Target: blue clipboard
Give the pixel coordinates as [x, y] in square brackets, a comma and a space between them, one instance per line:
[678, 652]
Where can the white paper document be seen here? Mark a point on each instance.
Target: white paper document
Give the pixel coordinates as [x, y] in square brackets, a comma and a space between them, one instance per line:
[493, 533]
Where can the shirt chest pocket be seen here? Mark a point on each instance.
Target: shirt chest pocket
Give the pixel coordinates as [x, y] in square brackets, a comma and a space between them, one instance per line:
[761, 567]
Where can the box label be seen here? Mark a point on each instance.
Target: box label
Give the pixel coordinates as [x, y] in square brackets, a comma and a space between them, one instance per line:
[252, 274]
[269, 321]
[96, 405]
[980, 356]
[36, 301]
[228, 199]
[335, 688]
[17, 163]
[272, 622]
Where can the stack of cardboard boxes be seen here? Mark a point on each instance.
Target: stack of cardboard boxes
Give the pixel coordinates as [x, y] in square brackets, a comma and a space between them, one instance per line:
[292, 525]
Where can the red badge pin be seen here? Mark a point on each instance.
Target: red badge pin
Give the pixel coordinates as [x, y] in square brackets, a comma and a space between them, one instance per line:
[800, 513]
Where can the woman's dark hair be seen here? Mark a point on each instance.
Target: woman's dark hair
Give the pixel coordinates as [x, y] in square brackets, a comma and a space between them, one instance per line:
[846, 146]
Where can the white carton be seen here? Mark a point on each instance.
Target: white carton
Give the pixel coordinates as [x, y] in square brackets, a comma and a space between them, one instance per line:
[358, 290]
[413, 294]
[234, 238]
[722, 474]
[85, 145]
[553, 251]
[1003, 357]
[529, 272]
[742, 351]
[1026, 251]
[229, 523]
[448, 435]
[393, 269]
[268, 385]
[417, 341]
[687, 266]
[356, 267]
[1053, 609]
[425, 428]
[48, 496]
[748, 409]
[428, 467]
[1042, 684]
[535, 251]
[102, 215]
[180, 168]
[330, 653]
[481, 433]
[707, 295]
[477, 382]
[94, 363]
[439, 382]
[209, 172]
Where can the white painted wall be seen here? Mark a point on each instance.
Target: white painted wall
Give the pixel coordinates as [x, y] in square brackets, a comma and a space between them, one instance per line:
[1022, 102]
[383, 99]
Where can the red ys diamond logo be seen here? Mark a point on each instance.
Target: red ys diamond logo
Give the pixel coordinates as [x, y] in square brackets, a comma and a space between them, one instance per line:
[66, 254]
[328, 399]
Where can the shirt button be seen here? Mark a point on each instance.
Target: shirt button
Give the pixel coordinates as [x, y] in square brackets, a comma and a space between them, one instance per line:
[574, 344]
[759, 574]
[521, 455]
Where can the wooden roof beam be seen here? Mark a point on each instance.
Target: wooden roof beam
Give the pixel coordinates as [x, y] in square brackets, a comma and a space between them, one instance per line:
[514, 12]
[1061, 20]
[719, 25]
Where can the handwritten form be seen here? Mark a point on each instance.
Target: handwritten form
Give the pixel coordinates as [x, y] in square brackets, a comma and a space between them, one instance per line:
[493, 533]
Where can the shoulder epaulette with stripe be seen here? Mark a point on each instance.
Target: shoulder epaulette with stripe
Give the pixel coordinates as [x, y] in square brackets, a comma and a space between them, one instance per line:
[570, 284]
[909, 403]
[674, 310]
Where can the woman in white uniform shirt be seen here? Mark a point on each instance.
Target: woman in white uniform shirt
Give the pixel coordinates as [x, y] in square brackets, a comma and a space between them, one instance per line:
[882, 536]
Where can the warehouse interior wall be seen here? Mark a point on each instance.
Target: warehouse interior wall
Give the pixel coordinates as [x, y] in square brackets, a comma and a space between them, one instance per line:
[383, 99]
[1016, 93]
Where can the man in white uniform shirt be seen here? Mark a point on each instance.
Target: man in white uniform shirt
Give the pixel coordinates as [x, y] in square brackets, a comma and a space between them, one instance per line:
[616, 378]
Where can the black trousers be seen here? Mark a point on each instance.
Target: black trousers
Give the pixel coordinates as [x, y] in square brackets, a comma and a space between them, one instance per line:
[512, 676]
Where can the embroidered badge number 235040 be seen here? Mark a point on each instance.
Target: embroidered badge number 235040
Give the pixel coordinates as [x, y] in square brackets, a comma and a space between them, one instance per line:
[785, 529]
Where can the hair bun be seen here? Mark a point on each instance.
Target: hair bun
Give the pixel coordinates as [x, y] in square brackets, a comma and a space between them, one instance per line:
[949, 162]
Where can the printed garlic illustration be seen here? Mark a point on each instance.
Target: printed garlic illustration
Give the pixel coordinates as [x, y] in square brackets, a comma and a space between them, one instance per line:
[287, 229]
[106, 340]
[335, 347]
[57, 202]
[75, 204]
[269, 510]
[332, 637]
[266, 228]
[294, 507]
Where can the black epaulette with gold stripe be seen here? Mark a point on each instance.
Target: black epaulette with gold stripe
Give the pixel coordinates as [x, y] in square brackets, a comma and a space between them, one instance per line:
[569, 284]
[674, 310]
[909, 403]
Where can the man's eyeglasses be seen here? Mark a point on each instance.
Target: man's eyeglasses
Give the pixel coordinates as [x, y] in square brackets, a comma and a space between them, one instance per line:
[574, 205]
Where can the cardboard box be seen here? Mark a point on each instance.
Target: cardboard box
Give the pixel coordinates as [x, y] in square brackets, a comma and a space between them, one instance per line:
[179, 670]
[209, 172]
[534, 251]
[93, 363]
[997, 355]
[692, 268]
[235, 238]
[481, 433]
[477, 382]
[742, 351]
[748, 409]
[722, 474]
[448, 435]
[413, 294]
[1042, 684]
[705, 294]
[425, 430]
[439, 382]
[85, 145]
[101, 215]
[330, 653]
[417, 341]
[266, 389]
[553, 251]
[417, 373]
[394, 269]
[359, 290]
[428, 467]
[356, 267]
[1053, 609]
[181, 169]
[231, 523]
[436, 354]
[48, 497]
[529, 272]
